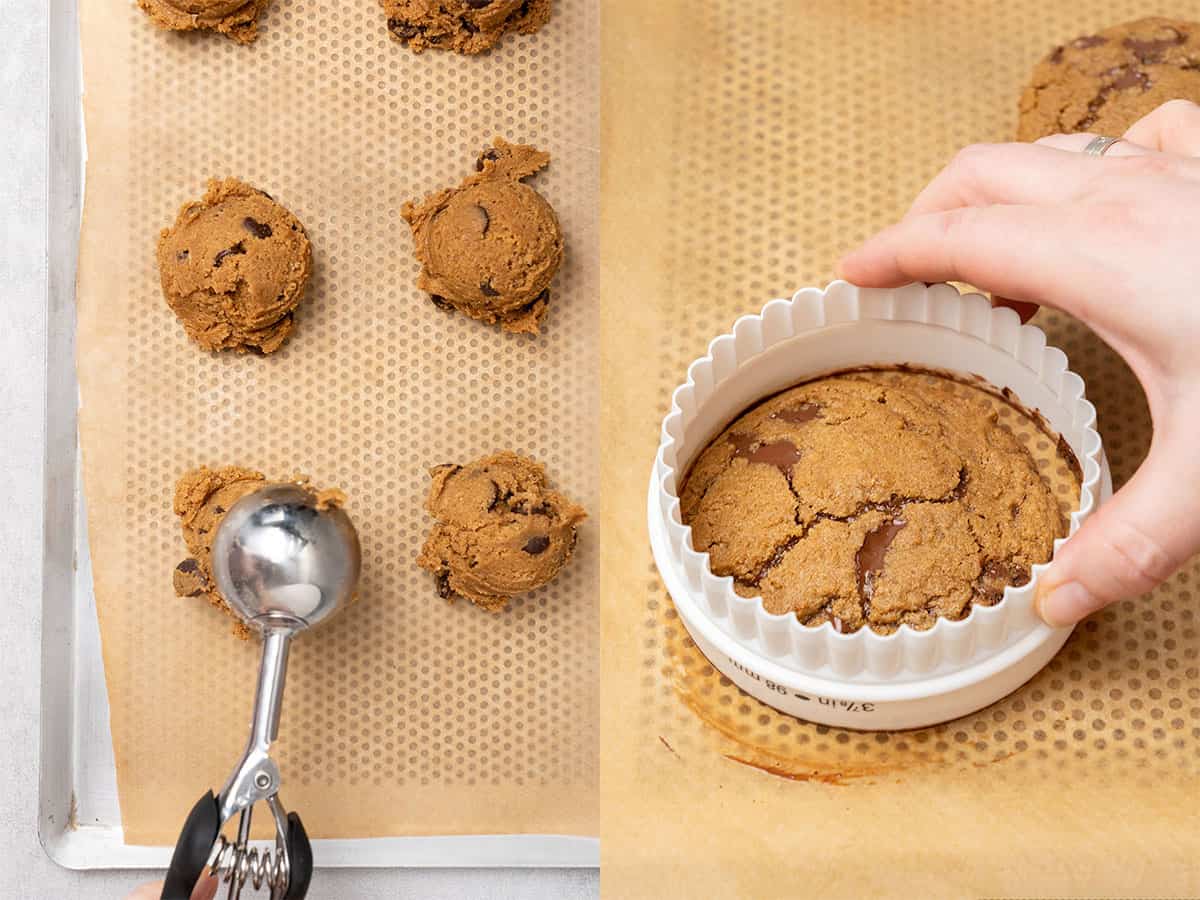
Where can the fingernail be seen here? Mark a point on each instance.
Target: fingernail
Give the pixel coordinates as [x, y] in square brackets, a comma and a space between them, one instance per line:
[1064, 604]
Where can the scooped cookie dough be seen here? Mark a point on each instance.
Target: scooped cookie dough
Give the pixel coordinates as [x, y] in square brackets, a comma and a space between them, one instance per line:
[499, 529]
[236, 19]
[466, 26]
[233, 268]
[868, 502]
[202, 497]
[1105, 82]
[489, 247]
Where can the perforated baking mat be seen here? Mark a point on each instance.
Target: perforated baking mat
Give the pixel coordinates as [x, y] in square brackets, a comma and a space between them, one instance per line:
[405, 715]
[748, 145]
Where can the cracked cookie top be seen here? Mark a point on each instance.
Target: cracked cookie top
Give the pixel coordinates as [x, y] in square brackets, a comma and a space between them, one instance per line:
[872, 499]
[1105, 82]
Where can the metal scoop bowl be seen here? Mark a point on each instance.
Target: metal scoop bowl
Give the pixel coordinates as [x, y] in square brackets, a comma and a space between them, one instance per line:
[284, 562]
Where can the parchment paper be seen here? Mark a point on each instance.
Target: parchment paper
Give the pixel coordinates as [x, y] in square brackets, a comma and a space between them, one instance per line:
[747, 145]
[404, 715]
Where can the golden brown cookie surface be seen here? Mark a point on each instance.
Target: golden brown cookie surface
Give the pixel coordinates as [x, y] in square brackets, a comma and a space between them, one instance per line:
[465, 26]
[1105, 82]
[490, 247]
[233, 268]
[873, 503]
[236, 19]
[499, 530]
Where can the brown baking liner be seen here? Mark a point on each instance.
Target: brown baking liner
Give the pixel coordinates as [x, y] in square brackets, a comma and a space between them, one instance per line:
[747, 145]
[404, 715]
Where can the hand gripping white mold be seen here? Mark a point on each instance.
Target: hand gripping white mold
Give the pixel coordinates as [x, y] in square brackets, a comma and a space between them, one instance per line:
[865, 680]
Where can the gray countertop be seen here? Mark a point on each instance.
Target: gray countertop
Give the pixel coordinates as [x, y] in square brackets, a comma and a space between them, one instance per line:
[25, 871]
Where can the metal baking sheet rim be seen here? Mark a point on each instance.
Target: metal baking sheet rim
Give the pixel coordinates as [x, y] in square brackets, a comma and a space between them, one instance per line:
[79, 818]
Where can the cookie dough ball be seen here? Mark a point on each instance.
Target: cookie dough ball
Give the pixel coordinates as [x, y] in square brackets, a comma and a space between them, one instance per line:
[875, 503]
[467, 26]
[1105, 82]
[202, 497]
[233, 268]
[499, 530]
[490, 247]
[236, 19]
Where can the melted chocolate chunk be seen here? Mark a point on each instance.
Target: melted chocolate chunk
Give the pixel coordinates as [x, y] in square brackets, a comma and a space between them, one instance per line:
[1055, 57]
[256, 228]
[479, 4]
[443, 584]
[188, 567]
[871, 555]
[182, 255]
[487, 290]
[1151, 51]
[1129, 78]
[780, 454]
[798, 415]
[469, 27]
[440, 302]
[238, 249]
[536, 544]
[997, 574]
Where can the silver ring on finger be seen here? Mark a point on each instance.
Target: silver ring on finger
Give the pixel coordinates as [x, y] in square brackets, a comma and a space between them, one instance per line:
[1100, 145]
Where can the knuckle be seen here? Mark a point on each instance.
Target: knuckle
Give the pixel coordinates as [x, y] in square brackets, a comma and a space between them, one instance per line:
[1177, 108]
[1139, 561]
[970, 157]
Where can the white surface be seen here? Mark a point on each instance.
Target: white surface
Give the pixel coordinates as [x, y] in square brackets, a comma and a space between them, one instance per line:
[911, 678]
[25, 871]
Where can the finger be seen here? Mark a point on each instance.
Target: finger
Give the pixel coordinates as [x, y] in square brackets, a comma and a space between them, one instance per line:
[1075, 143]
[206, 889]
[1021, 252]
[1173, 127]
[1029, 174]
[1131, 544]
[1023, 309]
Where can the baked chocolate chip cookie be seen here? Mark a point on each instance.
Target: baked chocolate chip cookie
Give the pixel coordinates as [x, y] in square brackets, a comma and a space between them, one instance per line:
[871, 503]
[1105, 82]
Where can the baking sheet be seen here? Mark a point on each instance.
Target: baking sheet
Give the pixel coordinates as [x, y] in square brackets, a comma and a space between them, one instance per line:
[746, 147]
[404, 716]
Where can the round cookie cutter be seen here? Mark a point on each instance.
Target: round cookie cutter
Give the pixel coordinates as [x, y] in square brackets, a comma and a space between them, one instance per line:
[864, 680]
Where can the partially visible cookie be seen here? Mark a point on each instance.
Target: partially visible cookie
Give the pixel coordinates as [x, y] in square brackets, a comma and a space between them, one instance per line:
[499, 530]
[236, 19]
[489, 247]
[233, 268]
[202, 497]
[466, 26]
[1105, 82]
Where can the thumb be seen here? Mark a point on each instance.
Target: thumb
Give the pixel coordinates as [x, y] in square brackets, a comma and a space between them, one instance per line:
[1132, 543]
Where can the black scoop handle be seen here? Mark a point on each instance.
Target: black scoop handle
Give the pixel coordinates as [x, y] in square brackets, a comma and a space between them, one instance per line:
[193, 849]
[301, 857]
